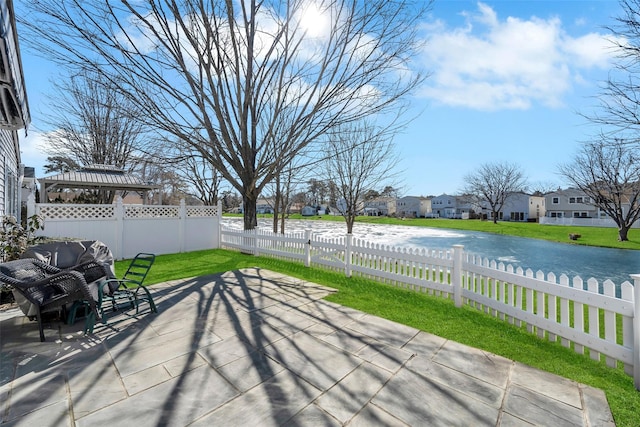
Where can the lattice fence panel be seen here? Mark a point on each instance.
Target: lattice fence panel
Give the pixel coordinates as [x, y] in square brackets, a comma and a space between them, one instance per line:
[201, 211]
[146, 211]
[77, 211]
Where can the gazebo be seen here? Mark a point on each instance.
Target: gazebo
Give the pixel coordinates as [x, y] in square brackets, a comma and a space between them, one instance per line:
[96, 177]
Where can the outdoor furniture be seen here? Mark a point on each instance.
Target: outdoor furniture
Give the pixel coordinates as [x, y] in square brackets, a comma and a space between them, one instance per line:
[47, 288]
[91, 258]
[70, 254]
[128, 291]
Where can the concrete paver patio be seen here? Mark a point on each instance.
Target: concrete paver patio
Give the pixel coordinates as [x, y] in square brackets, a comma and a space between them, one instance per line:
[254, 347]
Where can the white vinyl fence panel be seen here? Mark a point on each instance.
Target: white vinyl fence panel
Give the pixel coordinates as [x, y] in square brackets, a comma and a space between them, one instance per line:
[130, 229]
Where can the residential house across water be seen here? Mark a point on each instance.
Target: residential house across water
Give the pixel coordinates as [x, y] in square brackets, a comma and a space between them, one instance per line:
[570, 203]
[380, 206]
[413, 207]
[520, 206]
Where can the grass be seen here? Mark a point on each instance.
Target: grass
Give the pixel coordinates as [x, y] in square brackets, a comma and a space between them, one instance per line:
[431, 314]
[590, 236]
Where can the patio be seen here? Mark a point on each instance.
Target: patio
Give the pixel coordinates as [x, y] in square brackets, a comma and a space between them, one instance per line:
[254, 347]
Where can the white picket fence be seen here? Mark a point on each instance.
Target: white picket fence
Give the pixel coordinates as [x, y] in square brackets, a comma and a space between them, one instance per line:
[585, 315]
[130, 229]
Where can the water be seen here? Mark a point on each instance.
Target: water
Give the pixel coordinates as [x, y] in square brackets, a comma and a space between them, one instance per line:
[559, 258]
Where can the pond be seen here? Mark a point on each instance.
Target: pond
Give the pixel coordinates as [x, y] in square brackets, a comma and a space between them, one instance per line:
[559, 258]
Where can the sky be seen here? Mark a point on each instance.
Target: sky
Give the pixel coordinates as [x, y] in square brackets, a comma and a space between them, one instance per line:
[507, 83]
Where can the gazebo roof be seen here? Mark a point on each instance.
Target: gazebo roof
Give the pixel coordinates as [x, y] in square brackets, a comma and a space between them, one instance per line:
[96, 177]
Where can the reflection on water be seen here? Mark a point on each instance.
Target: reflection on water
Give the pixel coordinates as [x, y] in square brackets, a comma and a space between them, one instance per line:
[559, 258]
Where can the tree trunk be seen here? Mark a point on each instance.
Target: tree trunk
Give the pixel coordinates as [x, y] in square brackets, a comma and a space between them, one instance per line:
[250, 202]
[351, 219]
[622, 233]
[276, 206]
[495, 217]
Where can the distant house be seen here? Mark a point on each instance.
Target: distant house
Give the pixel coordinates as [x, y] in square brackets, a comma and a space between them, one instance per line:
[570, 203]
[14, 112]
[264, 206]
[520, 206]
[308, 211]
[383, 206]
[444, 206]
[413, 207]
[341, 207]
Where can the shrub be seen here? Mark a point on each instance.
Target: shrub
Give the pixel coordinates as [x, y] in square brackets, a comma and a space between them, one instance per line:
[14, 238]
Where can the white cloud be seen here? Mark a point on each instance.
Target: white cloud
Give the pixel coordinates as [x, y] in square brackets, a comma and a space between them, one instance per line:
[494, 64]
[32, 150]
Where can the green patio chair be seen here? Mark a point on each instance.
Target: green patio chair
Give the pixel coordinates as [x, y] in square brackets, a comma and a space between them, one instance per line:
[129, 290]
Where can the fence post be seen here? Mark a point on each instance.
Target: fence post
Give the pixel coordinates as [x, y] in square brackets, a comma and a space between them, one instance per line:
[218, 241]
[119, 214]
[636, 330]
[307, 247]
[256, 251]
[182, 231]
[347, 255]
[456, 275]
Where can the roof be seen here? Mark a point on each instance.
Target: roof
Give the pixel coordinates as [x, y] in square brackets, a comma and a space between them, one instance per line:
[97, 176]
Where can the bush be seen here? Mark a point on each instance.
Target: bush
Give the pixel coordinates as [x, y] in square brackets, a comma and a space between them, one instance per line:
[14, 238]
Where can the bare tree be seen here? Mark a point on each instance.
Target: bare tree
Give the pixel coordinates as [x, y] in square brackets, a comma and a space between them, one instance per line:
[492, 183]
[198, 174]
[249, 83]
[60, 164]
[540, 188]
[94, 124]
[359, 157]
[618, 113]
[609, 173]
[173, 186]
[284, 192]
[204, 181]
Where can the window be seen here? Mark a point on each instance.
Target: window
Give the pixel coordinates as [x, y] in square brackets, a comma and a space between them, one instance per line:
[572, 199]
[579, 199]
[555, 200]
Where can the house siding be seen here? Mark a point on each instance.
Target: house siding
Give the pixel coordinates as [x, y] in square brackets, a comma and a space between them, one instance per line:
[569, 204]
[412, 206]
[14, 114]
[523, 207]
[9, 174]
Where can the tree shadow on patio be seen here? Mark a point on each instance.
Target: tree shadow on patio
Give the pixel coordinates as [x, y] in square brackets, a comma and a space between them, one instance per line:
[246, 345]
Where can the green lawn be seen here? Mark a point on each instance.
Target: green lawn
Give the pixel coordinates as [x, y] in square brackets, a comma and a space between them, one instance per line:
[431, 314]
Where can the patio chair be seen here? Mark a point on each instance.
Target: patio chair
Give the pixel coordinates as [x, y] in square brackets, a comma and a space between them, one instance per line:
[48, 288]
[129, 290]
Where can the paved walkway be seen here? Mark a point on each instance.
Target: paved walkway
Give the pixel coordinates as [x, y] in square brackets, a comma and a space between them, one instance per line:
[256, 348]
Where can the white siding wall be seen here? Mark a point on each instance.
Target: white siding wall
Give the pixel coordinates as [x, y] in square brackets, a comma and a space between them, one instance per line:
[9, 174]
